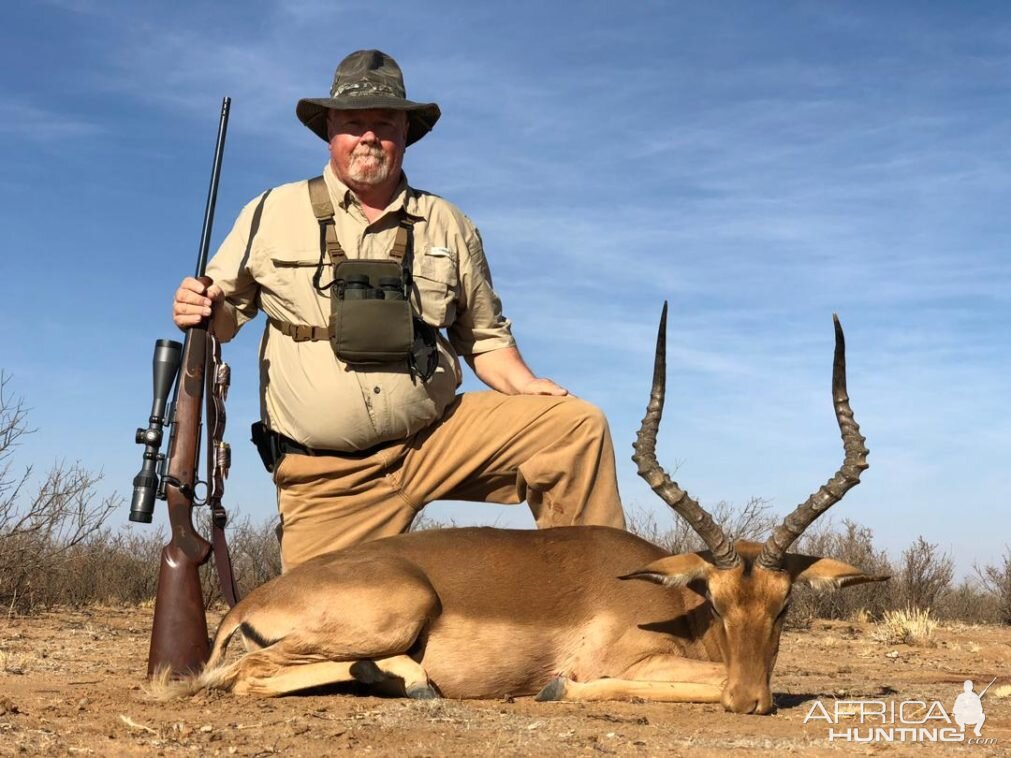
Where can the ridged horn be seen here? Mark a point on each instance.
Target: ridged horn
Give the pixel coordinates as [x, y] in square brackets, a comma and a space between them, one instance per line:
[847, 477]
[724, 554]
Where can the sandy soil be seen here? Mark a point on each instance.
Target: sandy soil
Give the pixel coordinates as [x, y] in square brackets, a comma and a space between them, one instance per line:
[73, 683]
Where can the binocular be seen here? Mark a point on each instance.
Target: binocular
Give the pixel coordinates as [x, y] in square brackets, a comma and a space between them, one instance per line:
[359, 287]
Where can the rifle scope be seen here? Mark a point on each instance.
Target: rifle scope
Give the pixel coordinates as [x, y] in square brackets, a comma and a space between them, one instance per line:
[145, 485]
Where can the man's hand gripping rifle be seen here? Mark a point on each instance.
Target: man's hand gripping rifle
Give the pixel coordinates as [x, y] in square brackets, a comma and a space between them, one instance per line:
[179, 635]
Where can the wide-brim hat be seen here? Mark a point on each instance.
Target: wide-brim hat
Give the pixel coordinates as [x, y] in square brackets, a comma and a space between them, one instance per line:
[368, 79]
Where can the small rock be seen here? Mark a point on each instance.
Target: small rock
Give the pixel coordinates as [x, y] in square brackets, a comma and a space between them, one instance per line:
[7, 706]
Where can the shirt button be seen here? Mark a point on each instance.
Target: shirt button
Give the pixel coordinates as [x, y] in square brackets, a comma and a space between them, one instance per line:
[376, 390]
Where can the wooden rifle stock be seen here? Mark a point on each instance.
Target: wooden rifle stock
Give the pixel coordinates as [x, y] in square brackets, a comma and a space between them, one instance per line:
[179, 633]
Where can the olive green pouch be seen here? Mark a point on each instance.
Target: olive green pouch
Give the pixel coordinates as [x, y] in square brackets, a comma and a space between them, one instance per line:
[371, 320]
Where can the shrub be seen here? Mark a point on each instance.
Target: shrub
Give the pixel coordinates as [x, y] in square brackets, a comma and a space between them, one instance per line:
[853, 544]
[924, 575]
[754, 521]
[996, 581]
[41, 533]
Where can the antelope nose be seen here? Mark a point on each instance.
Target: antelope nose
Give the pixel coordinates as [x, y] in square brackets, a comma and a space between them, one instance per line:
[740, 702]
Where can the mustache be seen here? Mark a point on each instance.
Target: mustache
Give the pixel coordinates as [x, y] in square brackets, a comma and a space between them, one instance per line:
[368, 151]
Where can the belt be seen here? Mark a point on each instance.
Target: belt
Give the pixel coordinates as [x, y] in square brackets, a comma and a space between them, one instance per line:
[287, 445]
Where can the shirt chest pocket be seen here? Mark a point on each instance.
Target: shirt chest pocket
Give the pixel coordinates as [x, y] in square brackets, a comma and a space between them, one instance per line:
[436, 283]
[290, 280]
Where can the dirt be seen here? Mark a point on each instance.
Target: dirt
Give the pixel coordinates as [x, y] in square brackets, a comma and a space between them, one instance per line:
[72, 682]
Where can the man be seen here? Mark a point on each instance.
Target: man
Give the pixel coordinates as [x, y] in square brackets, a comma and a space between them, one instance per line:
[968, 708]
[363, 447]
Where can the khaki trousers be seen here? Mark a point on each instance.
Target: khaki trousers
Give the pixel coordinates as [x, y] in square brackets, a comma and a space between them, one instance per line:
[554, 452]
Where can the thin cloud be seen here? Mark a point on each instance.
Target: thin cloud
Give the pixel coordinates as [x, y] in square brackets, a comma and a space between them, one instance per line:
[30, 123]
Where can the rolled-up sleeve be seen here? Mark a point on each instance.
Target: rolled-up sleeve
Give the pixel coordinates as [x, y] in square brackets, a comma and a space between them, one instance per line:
[230, 270]
[480, 326]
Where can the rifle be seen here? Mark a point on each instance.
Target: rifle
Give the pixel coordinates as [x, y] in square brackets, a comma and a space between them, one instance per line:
[987, 687]
[179, 633]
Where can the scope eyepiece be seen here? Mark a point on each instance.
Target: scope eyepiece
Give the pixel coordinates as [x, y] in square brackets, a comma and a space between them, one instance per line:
[145, 488]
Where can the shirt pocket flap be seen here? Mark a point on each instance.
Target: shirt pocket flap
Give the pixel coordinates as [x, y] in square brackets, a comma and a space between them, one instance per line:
[294, 262]
[438, 264]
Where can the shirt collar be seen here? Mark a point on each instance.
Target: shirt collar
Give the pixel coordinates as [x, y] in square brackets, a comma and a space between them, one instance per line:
[404, 197]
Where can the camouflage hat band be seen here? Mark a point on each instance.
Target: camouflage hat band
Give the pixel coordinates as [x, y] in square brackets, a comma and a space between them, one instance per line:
[356, 89]
[368, 79]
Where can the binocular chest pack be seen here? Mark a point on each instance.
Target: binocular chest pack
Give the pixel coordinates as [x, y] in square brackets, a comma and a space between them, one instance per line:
[372, 321]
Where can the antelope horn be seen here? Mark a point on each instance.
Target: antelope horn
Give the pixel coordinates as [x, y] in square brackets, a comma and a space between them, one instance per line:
[724, 554]
[847, 477]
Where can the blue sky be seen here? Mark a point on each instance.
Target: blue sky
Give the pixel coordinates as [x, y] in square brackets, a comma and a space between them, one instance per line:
[760, 165]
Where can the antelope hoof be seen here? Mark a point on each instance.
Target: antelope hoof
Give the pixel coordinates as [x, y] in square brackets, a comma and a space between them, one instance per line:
[555, 690]
[367, 672]
[421, 692]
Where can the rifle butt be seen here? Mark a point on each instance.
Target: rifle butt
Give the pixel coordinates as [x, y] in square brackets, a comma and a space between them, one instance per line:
[179, 634]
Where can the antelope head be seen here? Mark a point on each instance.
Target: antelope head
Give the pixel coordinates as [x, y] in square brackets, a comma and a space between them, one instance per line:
[747, 585]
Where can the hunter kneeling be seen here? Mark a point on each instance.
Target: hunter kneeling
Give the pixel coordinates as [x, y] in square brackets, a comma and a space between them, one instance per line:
[358, 274]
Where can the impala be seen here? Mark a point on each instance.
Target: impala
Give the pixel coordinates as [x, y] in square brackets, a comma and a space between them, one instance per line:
[573, 613]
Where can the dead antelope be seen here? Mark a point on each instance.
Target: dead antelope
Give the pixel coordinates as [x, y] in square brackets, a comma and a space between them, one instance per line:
[485, 613]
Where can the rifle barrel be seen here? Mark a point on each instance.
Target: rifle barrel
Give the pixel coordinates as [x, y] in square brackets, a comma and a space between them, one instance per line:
[212, 192]
[987, 687]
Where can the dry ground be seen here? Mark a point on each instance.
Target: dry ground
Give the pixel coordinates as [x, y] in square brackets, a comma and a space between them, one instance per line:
[72, 683]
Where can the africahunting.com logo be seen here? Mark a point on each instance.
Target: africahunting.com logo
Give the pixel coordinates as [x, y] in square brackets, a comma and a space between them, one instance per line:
[905, 720]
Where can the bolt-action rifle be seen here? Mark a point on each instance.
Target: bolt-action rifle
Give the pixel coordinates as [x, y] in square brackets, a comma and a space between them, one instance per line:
[179, 633]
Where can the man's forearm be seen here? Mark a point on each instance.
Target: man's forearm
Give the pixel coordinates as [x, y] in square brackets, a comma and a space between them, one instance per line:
[503, 370]
[506, 371]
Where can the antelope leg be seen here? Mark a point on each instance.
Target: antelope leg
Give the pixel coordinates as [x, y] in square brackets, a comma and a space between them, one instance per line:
[300, 676]
[625, 689]
[396, 675]
[674, 668]
[297, 677]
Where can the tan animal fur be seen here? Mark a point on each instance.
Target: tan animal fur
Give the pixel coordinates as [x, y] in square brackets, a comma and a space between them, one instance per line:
[485, 613]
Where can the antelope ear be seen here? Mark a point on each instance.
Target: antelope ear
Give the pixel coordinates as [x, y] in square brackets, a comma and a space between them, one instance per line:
[674, 570]
[825, 573]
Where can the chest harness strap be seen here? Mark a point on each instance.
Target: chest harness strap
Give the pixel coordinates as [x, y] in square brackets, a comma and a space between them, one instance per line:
[330, 247]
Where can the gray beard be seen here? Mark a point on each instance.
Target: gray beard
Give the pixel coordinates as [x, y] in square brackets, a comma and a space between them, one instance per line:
[369, 168]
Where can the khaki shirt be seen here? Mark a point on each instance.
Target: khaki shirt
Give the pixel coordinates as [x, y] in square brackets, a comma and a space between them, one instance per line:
[308, 394]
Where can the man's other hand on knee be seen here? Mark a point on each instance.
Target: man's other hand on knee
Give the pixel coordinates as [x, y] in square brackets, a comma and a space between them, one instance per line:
[543, 386]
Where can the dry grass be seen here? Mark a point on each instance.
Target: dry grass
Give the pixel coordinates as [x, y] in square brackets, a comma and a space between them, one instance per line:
[861, 616]
[909, 626]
